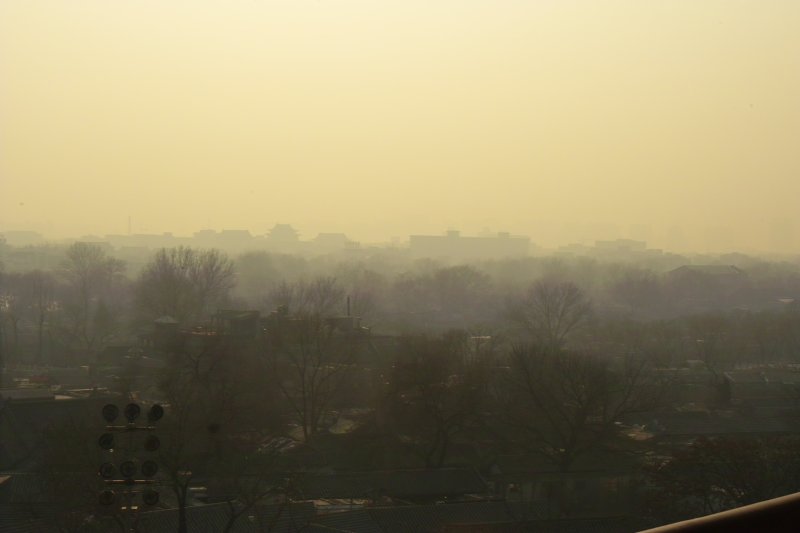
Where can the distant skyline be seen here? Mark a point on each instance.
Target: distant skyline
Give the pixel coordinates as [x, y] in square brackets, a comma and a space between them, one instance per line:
[714, 240]
[567, 121]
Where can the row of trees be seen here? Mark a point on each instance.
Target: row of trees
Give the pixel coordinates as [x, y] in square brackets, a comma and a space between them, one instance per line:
[89, 302]
[78, 306]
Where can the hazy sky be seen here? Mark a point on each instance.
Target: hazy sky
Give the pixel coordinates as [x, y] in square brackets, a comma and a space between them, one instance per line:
[676, 121]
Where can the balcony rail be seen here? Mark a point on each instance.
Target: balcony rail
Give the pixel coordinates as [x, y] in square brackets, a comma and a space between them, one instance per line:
[776, 516]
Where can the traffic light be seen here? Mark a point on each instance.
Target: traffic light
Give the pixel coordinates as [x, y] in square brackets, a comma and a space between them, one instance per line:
[127, 469]
[152, 443]
[106, 441]
[132, 412]
[149, 469]
[110, 412]
[107, 497]
[107, 470]
[155, 413]
[150, 497]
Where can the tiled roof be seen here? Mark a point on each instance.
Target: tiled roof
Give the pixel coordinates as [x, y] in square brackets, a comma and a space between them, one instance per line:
[432, 518]
[701, 423]
[20, 487]
[18, 519]
[357, 521]
[483, 517]
[22, 422]
[569, 525]
[213, 518]
[713, 270]
[593, 462]
[393, 483]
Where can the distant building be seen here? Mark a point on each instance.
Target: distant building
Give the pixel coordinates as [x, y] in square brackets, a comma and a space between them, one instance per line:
[333, 242]
[702, 288]
[227, 239]
[727, 276]
[205, 234]
[763, 387]
[96, 242]
[621, 245]
[235, 235]
[283, 233]
[26, 415]
[243, 324]
[146, 240]
[23, 238]
[573, 249]
[726, 271]
[453, 246]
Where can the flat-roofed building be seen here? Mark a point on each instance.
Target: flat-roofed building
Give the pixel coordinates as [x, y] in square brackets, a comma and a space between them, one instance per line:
[453, 245]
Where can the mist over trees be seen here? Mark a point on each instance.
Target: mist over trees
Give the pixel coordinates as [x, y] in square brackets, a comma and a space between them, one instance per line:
[184, 283]
[549, 311]
[94, 288]
[274, 366]
[87, 300]
[581, 350]
[435, 393]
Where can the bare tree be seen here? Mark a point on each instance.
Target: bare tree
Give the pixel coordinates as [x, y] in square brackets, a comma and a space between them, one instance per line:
[639, 289]
[450, 291]
[321, 297]
[256, 272]
[90, 301]
[245, 480]
[459, 287]
[710, 334]
[41, 287]
[2, 341]
[282, 296]
[365, 289]
[436, 391]
[14, 306]
[28, 297]
[184, 283]
[713, 475]
[566, 404]
[311, 362]
[216, 395]
[550, 311]
[185, 445]
[63, 485]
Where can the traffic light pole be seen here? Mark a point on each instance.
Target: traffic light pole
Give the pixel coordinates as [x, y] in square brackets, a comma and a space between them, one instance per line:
[128, 469]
